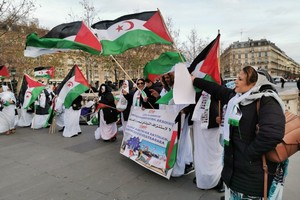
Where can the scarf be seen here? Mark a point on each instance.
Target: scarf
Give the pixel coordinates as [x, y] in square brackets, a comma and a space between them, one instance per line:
[201, 111]
[233, 113]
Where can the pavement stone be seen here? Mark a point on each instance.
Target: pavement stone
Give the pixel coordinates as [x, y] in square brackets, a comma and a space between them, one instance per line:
[36, 165]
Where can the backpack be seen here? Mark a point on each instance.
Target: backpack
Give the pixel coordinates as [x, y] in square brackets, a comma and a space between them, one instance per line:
[291, 141]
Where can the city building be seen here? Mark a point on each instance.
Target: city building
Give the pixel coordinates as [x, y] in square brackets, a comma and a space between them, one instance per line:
[261, 53]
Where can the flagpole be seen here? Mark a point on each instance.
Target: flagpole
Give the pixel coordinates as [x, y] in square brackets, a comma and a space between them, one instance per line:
[128, 77]
[20, 85]
[219, 102]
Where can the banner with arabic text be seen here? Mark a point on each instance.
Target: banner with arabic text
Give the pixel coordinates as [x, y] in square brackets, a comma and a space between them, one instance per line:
[150, 139]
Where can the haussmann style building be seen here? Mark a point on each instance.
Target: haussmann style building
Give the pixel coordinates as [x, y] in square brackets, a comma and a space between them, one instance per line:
[260, 53]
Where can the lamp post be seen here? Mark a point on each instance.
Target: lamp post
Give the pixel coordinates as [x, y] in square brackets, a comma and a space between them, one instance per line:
[13, 81]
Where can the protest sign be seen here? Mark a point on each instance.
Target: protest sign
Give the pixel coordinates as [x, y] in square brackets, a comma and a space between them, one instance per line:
[150, 139]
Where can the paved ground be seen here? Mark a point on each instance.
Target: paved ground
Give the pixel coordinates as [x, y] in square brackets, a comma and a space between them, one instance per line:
[35, 165]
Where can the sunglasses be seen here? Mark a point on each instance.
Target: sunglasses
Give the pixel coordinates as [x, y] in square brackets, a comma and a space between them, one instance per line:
[140, 83]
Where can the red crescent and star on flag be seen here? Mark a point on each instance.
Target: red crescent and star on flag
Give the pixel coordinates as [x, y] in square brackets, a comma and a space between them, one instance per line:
[121, 27]
[28, 93]
[70, 84]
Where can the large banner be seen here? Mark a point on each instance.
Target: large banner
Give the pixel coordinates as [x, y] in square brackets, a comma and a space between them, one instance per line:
[150, 139]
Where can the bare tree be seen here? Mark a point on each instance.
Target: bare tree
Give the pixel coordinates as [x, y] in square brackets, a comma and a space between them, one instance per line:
[89, 13]
[193, 46]
[175, 33]
[12, 13]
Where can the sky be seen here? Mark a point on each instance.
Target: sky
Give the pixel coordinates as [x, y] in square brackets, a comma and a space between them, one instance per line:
[238, 20]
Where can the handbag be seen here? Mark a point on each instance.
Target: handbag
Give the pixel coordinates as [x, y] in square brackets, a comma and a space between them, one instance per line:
[291, 141]
[122, 103]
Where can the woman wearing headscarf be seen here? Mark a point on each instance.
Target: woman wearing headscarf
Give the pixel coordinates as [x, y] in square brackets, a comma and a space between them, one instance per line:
[127, 91]
[72, 118]
[42, 105]
[147, 98]
[108, 115]
[140, 84]
[245, 144]
[7, 113]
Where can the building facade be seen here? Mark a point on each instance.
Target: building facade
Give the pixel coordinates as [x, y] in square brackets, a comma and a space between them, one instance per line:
[260, 53]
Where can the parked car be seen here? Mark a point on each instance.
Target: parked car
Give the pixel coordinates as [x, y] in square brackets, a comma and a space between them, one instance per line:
[228, 79]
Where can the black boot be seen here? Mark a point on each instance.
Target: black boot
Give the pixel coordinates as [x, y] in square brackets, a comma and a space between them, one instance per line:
[61, 130]
[220, 186]
[189, 168]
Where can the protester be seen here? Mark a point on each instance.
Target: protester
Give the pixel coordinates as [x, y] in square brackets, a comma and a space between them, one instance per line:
[7, 111]
[282, 82]
[60, 113]
[128, 91]
[147, 99]
[25, 115]
[298, 85]
[208, 152]
[137, 95]
[245, 143]
[107, 129]
[184, 159]
[72, 118]
[167, 82]
[42, 105]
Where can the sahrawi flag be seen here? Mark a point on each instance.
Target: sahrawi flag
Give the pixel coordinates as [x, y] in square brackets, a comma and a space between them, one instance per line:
[44, 72]
[162, 65]
[205, 65]
[30, 90]
[3, 72]
[130, 31]
[73, 85]
[64, 37]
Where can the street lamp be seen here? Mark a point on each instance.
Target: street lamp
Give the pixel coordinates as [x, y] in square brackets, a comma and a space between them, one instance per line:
[13, 73]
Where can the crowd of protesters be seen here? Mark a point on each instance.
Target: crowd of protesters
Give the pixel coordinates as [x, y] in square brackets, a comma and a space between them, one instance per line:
[201, 147]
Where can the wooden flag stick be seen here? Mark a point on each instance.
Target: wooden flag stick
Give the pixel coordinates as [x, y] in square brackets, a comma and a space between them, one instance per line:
[129, 77]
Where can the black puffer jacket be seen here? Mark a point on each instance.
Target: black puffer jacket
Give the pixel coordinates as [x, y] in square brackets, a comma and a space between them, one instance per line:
[242, 171]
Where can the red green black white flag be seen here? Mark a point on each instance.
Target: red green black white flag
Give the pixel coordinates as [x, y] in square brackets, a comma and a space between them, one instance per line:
[73, 85]
[130, 31]
[4, 72]
[30, 90]
[206, 64]
[64, 37]
[44, 72]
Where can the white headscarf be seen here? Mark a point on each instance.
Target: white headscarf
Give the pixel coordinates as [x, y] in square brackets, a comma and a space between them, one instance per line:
[5, 88]
[247, 98]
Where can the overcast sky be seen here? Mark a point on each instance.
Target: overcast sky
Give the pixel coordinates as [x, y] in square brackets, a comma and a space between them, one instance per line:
[275, 20]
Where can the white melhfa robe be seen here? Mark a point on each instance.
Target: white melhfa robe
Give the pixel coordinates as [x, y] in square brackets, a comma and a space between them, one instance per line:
[60, 112]
[105, 131]
[25, 118]
[71, 122]
[7, 115]
[208, 156]
[185, 149]
[39, 121]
